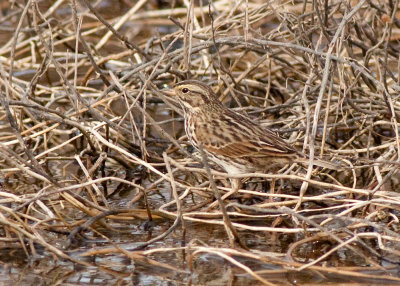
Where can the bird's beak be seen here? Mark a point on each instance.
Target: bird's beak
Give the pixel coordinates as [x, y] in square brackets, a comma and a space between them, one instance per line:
[169, 92]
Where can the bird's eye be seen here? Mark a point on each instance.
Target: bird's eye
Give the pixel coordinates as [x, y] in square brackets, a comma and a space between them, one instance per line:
[185, 90]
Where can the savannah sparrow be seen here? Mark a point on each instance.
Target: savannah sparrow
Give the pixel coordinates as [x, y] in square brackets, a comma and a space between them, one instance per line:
[232, 140]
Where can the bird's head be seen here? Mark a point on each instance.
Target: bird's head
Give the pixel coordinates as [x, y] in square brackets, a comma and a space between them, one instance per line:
[194, 95]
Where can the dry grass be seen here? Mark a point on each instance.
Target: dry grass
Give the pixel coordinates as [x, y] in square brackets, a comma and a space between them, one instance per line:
[83, 120]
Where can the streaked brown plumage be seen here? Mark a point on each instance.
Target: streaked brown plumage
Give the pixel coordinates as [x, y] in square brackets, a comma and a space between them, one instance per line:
[233, 141]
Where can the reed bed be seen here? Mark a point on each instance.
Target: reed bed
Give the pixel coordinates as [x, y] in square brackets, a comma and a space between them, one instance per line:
[89, 144]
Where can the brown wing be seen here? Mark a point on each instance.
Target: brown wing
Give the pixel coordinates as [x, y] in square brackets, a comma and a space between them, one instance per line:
[233, 135]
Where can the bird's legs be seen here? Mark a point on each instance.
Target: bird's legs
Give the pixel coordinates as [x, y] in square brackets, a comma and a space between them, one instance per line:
[236, 183]
[272, 190]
